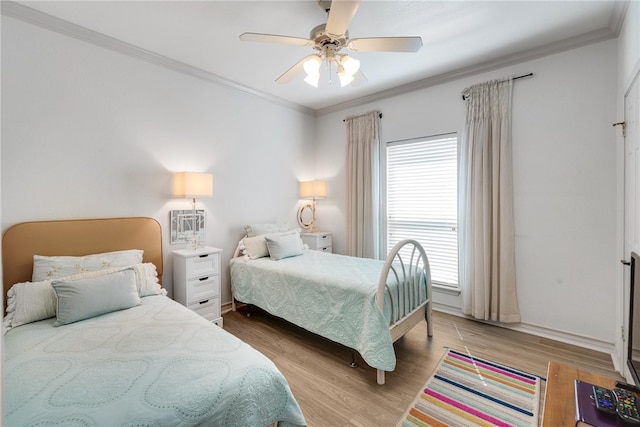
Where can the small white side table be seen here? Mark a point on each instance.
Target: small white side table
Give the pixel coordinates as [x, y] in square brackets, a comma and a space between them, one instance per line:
[196, 281]
[317, 241]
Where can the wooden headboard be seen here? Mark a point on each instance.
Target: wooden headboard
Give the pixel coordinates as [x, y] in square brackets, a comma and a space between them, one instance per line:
[75, 238]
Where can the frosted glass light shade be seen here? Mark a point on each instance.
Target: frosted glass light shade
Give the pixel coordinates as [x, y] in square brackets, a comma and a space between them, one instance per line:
[312, 65]
[193, 185]
[351, 65]
[312, 68]
[345, 78]
[313, 190]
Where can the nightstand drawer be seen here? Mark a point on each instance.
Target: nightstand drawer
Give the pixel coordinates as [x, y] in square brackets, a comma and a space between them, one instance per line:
[317, 241]
[196, 281]
[209, 309]
[202, 265]
[201, 289]
[323, 240]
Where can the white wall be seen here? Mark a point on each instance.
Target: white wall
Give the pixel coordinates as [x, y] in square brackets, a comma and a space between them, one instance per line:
[564, 157]
[91, 133]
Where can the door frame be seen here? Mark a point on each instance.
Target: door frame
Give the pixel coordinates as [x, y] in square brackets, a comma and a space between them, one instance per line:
[624, 275]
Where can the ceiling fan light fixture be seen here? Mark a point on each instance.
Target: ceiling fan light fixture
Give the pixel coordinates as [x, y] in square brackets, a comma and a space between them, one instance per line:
[345, 79]
[350, 65]
[312, 66]
[329, 39]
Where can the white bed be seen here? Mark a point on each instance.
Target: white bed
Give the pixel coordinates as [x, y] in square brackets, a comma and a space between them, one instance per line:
[154, 363]
[361, 303]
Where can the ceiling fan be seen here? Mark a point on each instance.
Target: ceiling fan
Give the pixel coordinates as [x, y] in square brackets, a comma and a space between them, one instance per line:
[329, 39]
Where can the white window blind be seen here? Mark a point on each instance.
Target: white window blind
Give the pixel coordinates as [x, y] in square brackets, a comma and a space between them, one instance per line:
[422, 199]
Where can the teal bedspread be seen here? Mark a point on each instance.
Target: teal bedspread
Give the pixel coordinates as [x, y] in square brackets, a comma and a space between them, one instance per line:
[328, 294]
[157, 364]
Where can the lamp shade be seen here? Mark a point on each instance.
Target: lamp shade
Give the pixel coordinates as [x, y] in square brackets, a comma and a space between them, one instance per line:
[193, 185]
[351, 65]
[345, 78]
[312, 65]
[313, 190]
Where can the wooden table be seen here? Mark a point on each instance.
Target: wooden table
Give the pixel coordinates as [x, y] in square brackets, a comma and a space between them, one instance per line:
[559, 402]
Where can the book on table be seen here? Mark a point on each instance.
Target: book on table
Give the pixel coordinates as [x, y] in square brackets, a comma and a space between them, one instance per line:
[587, 415]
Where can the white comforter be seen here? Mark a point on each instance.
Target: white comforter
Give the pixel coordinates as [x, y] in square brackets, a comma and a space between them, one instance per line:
[328, 294]
[157, 364]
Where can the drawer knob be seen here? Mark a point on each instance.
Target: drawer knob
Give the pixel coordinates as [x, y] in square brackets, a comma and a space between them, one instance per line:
[202, 279]
[203, 302]
[203, 256]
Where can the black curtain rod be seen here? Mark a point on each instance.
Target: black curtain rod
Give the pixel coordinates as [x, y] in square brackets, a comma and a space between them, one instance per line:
[379, 115]
[464, 97]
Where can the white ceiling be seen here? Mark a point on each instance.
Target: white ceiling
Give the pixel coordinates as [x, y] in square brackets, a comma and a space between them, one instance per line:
[458, 37]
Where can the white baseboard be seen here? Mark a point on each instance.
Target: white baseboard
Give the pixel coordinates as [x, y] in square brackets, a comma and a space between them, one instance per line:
[225, 308]
[564, 337]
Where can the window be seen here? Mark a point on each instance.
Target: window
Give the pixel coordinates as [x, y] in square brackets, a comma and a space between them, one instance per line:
[421, 196]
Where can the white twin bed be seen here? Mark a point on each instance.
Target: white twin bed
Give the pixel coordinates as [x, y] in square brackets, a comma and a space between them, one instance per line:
[364, 304]
[109, 348]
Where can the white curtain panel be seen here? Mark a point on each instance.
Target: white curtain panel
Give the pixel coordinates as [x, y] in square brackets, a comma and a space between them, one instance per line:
[487, 243]
[363, 194]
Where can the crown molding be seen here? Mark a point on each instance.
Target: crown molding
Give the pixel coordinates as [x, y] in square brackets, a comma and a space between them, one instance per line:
[43, 20]
[494, 64]
[35, 17]
[620, 8]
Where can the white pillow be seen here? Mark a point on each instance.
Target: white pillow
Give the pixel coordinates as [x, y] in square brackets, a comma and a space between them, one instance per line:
[284, 245]
[255, 247]
[91, 297]
[29, 302]
[33, 301]
[55, 267]
[253, 230]
[147, 280]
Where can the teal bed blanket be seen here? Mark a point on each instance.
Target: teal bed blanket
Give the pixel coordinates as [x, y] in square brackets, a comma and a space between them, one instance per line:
[156, 364]
[328, 294]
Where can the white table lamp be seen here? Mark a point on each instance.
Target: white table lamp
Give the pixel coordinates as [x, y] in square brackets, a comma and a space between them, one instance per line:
[193, 185]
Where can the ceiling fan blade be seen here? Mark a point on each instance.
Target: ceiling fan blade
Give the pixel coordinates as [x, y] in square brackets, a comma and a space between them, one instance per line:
[272, 38]
[298, 68]
[385, 44]
[340, 15]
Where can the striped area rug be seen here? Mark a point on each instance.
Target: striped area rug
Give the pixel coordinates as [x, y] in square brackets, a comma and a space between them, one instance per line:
[468, 391]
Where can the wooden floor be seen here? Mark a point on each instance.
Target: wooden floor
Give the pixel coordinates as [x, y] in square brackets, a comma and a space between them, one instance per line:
[331, 393]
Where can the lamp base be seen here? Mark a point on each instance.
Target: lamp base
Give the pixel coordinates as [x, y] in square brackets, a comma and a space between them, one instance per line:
[194, 244]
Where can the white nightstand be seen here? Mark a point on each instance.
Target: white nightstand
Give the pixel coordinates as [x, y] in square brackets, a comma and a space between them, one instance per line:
[196, 281]
[317, 241]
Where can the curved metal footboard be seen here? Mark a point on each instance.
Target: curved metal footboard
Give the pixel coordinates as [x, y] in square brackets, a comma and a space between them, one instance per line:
[405, 281]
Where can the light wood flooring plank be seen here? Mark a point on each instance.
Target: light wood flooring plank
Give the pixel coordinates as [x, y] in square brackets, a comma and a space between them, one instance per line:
[331, 393]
